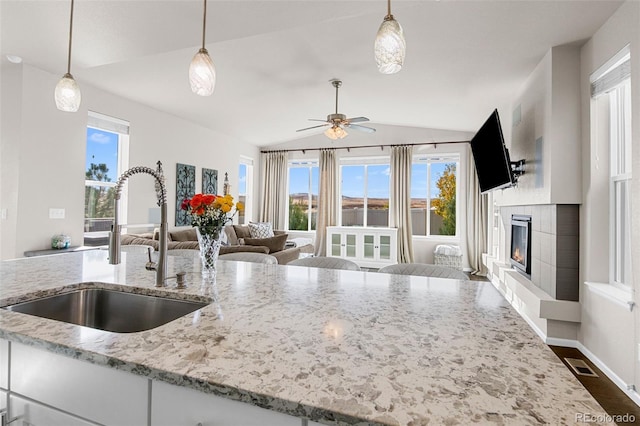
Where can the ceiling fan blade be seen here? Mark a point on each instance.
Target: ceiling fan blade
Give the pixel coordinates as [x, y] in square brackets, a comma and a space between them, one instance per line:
[357, 119]
[316, 119]
[313, 127]
[361, 128]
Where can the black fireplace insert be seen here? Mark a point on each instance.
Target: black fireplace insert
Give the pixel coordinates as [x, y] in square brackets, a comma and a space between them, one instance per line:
[521, 243]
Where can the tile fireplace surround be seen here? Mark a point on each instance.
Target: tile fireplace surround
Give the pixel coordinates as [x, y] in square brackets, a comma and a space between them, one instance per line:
[554, 246]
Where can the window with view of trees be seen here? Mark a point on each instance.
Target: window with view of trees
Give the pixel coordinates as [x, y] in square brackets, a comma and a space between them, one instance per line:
[303, 195]
[245, 185]
[105, 161]
[364, 194]
[434, 183]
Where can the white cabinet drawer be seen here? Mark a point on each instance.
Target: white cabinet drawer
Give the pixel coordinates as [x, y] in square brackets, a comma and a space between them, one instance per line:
[4, 364]
[174, 405]
[29, 413]
[90, 391]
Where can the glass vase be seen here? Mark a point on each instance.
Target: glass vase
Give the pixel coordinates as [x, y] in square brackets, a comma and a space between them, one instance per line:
[209, 240]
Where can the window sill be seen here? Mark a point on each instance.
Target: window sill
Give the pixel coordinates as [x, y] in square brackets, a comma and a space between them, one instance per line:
[622, 297]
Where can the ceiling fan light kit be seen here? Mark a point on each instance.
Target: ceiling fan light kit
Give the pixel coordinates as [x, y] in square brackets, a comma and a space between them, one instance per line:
[390, 46]
[339, 122]
[67, 93]
[202, 72]
[335, 132]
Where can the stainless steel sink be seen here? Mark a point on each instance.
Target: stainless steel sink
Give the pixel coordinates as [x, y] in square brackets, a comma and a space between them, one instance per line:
[109, 310]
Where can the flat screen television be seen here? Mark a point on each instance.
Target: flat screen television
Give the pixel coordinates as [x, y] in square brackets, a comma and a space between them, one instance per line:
[491, 156]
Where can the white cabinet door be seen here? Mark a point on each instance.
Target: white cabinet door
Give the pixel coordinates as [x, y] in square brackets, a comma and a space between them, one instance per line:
[174, 405]
[4, 364]
[94, 392]
[368, 247]
[345, 244]
[29, 413]
[378, 246]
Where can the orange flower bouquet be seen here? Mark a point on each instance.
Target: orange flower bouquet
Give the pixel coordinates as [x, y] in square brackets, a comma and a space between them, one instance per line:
[209, 213]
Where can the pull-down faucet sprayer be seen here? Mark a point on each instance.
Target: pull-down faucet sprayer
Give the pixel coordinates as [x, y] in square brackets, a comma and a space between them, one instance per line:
[116, 228]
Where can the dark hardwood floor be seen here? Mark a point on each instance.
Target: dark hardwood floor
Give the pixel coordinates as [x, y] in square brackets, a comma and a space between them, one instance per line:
[609, 396]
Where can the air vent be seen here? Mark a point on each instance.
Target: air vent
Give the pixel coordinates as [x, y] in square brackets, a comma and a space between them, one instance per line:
[580, 367]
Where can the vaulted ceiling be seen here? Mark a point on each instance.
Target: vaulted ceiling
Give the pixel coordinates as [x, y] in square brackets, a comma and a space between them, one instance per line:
[274, 58]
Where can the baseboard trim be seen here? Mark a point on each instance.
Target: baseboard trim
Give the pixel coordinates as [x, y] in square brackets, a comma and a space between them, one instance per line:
[635, 397]
[568, 343]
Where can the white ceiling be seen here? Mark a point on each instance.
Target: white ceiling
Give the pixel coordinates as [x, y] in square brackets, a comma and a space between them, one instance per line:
[274, 58]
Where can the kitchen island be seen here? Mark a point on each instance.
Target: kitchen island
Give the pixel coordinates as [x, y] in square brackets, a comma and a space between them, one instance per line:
[335, 347]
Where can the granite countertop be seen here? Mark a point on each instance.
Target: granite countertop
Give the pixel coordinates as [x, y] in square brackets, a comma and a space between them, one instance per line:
[331, 346]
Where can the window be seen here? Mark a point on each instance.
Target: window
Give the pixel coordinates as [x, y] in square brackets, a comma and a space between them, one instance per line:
[620, 187]
[245, 189]
[611, 89]
[106, 159]
[434, 195]
[364, 191]
[303, 195]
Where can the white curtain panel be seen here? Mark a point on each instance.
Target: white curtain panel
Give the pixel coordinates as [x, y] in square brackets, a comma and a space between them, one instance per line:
[477, 211]
[274, 188]
[327, 204]
[400, 200]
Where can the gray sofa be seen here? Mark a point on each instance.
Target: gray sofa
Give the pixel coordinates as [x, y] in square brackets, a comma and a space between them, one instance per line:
[187, 239]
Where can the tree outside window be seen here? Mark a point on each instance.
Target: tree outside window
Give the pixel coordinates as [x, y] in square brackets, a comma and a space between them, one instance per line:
[434, 183]
[303, 195]
[100, 172]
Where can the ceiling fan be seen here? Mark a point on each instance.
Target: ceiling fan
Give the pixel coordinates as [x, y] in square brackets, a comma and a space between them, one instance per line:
[339, 122]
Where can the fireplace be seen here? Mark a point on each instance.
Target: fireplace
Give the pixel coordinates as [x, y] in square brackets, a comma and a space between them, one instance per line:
[521, 244]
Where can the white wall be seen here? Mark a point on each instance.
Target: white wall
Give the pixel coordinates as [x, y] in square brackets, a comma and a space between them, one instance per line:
[10, 119]
[549, 104]
[609, 331]
[43, 157]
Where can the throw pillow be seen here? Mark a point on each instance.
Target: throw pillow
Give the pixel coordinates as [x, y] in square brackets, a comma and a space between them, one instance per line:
[184, 235]
[242, 231]
[156, 234]
[260, 230]
[274, 244]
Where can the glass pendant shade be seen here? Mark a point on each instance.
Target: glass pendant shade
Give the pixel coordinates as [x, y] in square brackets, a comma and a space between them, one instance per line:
[202, 74]
[67, 94]
[335, 132]
[390, 46]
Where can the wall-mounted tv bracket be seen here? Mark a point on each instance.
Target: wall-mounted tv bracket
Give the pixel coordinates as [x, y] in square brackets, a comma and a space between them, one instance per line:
[517, 169]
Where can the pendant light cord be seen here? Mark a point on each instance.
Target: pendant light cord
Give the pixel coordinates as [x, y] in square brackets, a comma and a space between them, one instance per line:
[204, 22]
[389, 8]
[70, 36]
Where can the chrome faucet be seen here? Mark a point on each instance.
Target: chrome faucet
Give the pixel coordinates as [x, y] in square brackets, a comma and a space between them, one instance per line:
[116, 228]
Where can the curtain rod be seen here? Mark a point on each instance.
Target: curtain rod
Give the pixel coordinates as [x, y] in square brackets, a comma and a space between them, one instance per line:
[349, 148]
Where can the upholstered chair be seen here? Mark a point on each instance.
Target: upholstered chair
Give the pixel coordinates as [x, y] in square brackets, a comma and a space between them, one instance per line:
[250, 257]
[425, 270]
[326, 262]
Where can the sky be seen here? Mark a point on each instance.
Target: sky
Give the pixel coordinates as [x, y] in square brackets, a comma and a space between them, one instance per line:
[102, 147]
[353, 178]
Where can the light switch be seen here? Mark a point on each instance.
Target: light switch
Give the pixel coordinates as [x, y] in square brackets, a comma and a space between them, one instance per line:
[3, 214]
[56, 213]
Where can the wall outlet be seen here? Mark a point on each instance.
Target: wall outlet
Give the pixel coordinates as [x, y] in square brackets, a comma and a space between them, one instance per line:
[56, 213]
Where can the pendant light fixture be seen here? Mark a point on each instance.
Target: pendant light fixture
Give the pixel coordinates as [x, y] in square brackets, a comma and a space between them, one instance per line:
[202, 72]
[67, 93]
[390, 46]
